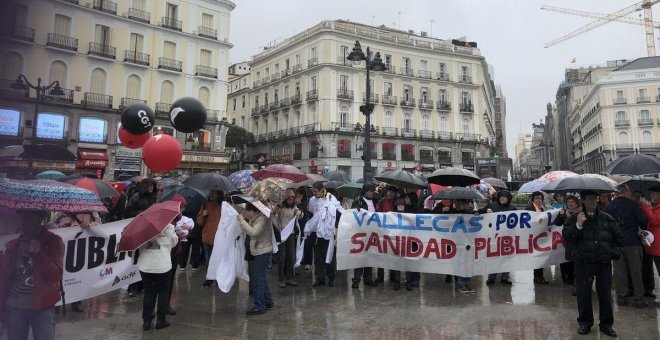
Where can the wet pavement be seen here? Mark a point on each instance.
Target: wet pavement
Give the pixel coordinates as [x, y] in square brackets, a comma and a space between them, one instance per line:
[435, 310]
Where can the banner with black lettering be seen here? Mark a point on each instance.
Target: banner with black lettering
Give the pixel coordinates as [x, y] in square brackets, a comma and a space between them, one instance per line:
[456, 244]
[91, 265]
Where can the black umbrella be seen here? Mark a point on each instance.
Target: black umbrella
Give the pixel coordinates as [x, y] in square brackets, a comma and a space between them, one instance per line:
[210, 181]
[38, 151]
[401, 179]
[196, 199]
[458, 193]
[453, 177]
[350, 190]
[634, 165]
[579, 183]
[339, 176]
[333, 184]
[642, 184]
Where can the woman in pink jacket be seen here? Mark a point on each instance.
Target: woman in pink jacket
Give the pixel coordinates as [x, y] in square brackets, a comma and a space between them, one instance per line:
[652, 212]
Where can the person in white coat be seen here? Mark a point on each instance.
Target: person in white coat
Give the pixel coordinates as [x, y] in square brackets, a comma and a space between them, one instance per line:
[155, 264]
[325, 207]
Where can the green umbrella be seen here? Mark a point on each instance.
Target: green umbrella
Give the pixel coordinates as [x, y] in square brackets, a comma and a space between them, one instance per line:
[50, 174]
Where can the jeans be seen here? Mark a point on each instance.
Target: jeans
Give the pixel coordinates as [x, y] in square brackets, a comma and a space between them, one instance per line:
[286, 258]
[195, 255]
[463, 281]
[208, 248]
[156, 287]
[18, 322]
[584, 278]
[322, 269]
[629, 263]
[261, 292]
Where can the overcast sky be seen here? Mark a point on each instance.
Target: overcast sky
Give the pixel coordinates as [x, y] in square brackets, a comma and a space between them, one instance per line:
[510, 33]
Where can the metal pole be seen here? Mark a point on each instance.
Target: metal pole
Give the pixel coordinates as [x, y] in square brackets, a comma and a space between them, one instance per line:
[366, 154]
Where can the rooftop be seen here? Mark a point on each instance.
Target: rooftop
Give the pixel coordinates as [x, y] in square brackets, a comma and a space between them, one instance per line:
[641, 63]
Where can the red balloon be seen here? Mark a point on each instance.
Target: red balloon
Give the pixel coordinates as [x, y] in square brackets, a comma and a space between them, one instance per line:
[162, 153]
[132, 141]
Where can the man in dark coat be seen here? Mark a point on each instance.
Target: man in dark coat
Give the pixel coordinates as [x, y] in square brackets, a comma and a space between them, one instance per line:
[503, 203]
[596, 240]
[366, 202]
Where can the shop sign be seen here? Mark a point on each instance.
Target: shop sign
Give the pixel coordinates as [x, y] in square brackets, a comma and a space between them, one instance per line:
[204, 159]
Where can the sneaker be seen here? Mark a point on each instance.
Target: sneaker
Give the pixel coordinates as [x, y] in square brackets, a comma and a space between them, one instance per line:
[270, 305]
[182, 269]
[256, 311]
[649, 294]
[464, 290]
[472, 291]
[194, 269]
[208, 283]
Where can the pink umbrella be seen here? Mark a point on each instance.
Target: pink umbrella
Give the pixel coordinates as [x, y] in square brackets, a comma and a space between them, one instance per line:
[556, 175]
[281, 171]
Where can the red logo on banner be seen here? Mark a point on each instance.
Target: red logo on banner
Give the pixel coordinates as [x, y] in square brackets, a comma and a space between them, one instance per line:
[311, 162]
[389, 164]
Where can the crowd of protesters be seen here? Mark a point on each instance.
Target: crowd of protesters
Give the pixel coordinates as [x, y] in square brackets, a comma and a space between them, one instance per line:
[599, 230]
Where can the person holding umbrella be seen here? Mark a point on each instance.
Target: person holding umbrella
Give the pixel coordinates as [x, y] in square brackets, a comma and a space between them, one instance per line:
[365, 201]
[597, 240]
[31, 270]
[536, 205]
[572, 207]
[503, 203]
[260, 231]
[286, 254]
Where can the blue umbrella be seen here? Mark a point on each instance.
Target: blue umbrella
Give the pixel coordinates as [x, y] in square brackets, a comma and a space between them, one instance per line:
[50, 174]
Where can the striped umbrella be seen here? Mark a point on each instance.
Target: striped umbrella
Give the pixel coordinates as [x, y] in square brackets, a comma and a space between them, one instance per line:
[47, 196]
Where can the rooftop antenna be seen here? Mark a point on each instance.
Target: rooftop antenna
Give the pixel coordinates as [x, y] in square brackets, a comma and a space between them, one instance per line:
[431, 31]
[399, 25]
[372, 20]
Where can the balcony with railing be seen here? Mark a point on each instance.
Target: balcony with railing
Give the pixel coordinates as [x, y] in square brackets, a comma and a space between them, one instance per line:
[136, 57]
[285, 102]
[622, 122]
[207, 32]
[410, 102]
[373, 97]
[643, 146]
[312, 95]
[308, 128]
[105, 51]
[256, 83]
[406, 71]
[389, 69]
[285, 73]
[465, 79]
[389, 100]
[443, 106]
[296, 100]
[65, 97]
[425, 74]
[312, 62]
[171, 23]
[345, 94]
[63, 42]
[644, 99]
[275, 105]
[125, 102]
[170, 64]
[408, 133]
[466, 108]
[296, 68]
[644, 121]
[426, 104]
[205, 71]
[265, 80]
[426, 134]
[105, 6]
[255, 111]
[619, 101]
[468, 136]
[264, 108]
[97, 100]
[345, 127]
[390, 131]
[344, 153]
[139, 15]
[163, 107]
[23, 33]
[442, 76]
[274, 77]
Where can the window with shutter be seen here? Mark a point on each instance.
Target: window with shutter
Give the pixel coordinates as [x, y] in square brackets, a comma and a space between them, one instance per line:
[207, 20]
[205, 58]
[58, 72]
[62, 25]
[139, 5]
[133, 87]
[102, 35]
[169, 50]
[137, 42]
[97, 83]
[204, 96]
[167, 92]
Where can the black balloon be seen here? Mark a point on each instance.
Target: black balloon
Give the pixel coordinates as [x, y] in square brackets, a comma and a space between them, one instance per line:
[187, 115]
[138, 119]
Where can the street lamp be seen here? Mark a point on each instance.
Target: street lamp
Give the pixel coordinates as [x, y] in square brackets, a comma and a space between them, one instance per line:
[373, 63]
[545, 145]
[21, 83]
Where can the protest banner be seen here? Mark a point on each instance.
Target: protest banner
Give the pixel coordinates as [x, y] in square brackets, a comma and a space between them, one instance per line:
[91, 265]
[456, 244]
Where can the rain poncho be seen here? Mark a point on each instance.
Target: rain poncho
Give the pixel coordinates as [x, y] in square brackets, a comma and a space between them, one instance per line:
[228, 257]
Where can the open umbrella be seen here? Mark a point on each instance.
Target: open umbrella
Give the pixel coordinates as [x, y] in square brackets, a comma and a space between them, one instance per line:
[401, 179]
[453, 177]
[47, 195]
[195, 198]
[556, 175]
[210, 181]
[270, 189]
[147, 225]
[332, 184]
[458, 193]
[281, 171]
[165, 182]
[339, 176]
[243, 180]
[311, 179]
[102, 189]
[642, 184]
[50, 174]
[350, 190]
[610, 181]
[530, 187]
[138, 179]
[51, 152]
[495, 182]
[634, 165]
[579, 183]
[71, 177]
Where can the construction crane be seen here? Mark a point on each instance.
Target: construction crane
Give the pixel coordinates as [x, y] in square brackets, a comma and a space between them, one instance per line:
[625, 20]
[620, 15]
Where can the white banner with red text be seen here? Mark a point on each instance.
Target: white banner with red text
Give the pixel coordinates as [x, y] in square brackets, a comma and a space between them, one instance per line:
[456, 244]
[91, 265]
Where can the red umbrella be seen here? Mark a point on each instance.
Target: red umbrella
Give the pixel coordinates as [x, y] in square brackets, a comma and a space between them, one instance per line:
[102, 189]
[148, 224]
[281, 171]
